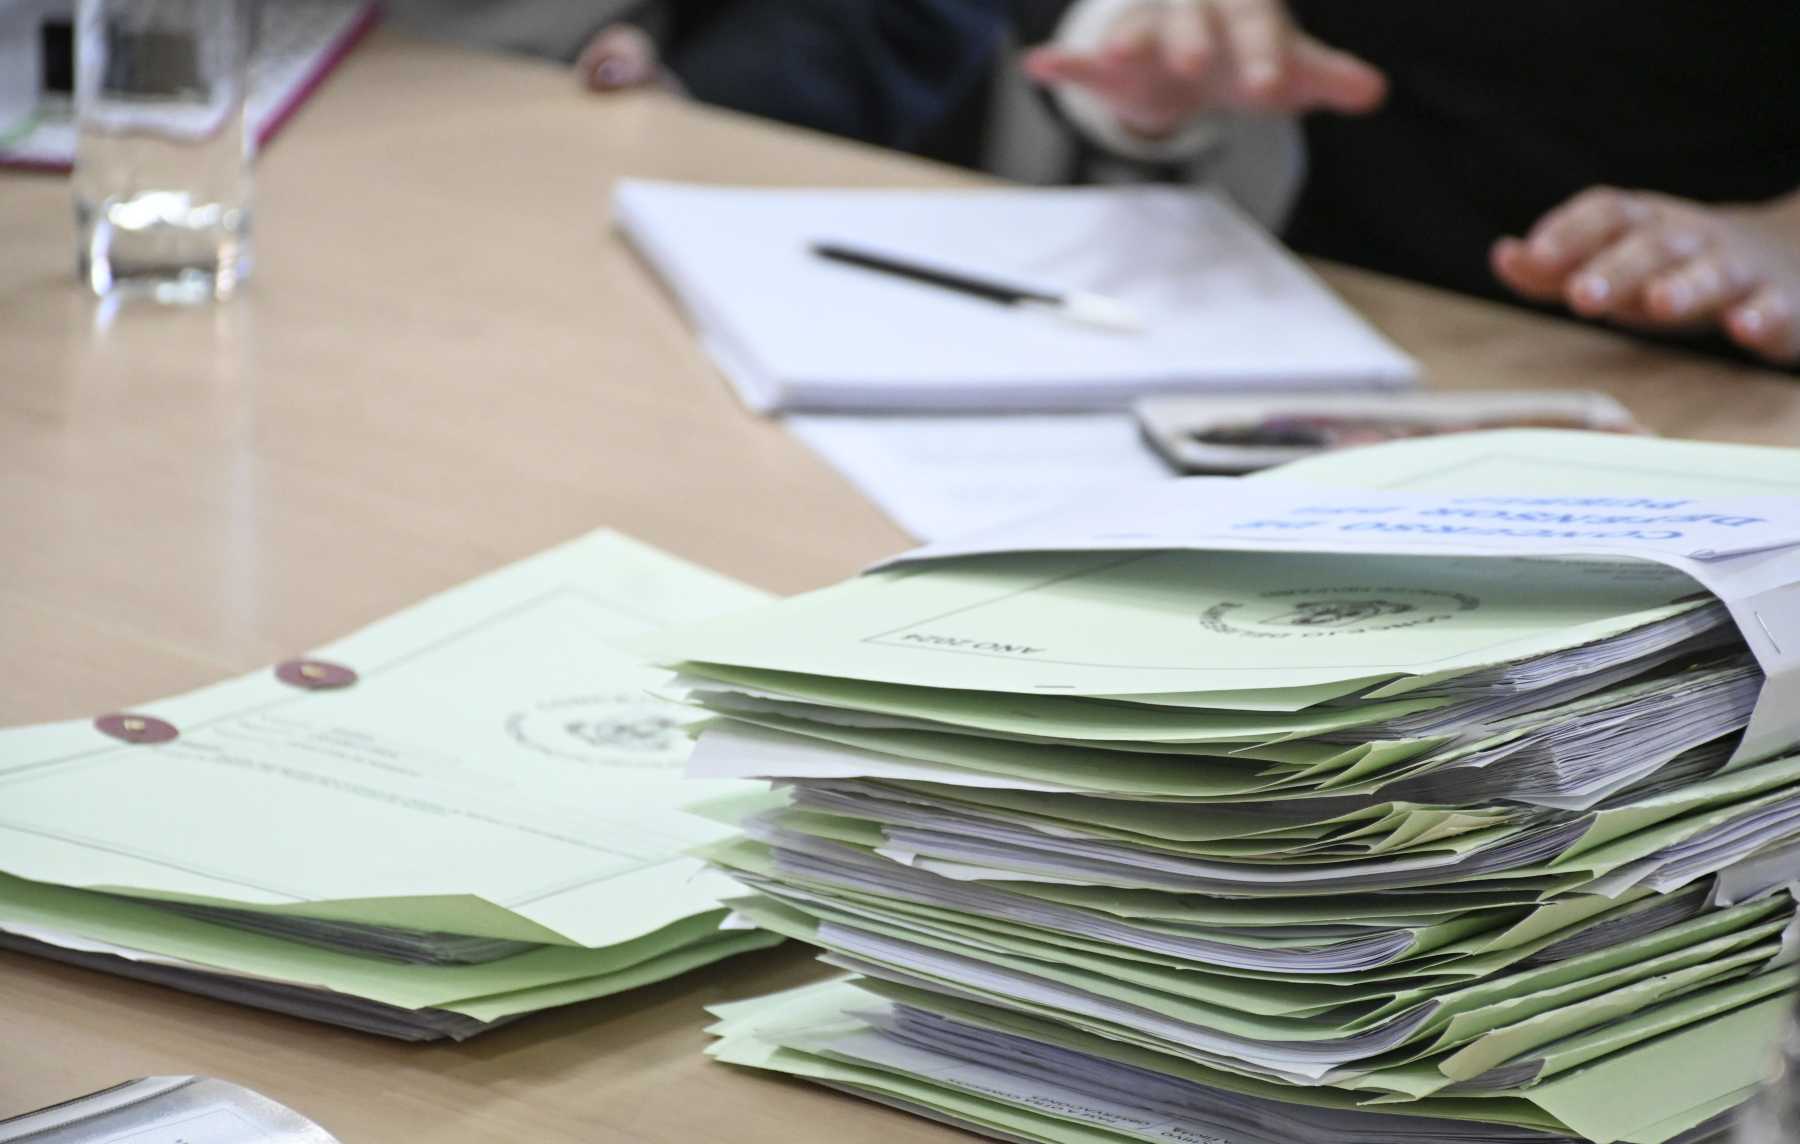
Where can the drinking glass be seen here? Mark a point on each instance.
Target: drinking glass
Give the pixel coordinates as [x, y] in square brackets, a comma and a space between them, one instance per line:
[162, 158]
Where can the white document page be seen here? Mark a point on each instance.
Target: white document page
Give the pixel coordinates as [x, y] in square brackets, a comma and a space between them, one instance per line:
[1232, 514]
[939, 476]
[1224, 305]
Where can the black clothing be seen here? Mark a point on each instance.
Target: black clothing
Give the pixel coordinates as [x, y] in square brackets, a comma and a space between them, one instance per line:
[1497, 112]
[883, 71]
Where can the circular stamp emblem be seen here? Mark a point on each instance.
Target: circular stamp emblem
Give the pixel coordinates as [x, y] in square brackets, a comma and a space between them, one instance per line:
[314, 674]
[1301, 613]
[617, 729]
[131, 728]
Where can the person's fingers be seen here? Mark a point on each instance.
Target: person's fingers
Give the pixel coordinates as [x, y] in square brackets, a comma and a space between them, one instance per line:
[1513, 266]
[1133, 37]
[1698, 289]
[619, 57]
[1187, 39]
[592, 56]
[1256, 32]
[1613, 281]
[609, 70]
[1058, 65]
[1765, 323]
[1116, 85]
[1574, 232]
[1323, 77]
[1047, 62]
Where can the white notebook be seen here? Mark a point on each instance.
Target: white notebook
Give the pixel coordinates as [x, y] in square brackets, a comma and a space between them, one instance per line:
[1224, 306]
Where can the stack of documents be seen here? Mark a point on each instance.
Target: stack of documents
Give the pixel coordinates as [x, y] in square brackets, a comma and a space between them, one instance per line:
[944, 475]
[482, 821]
[1443, 790]
[1221, 304]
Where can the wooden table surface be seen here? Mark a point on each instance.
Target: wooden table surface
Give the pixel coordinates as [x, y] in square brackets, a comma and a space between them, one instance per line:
[446, 362]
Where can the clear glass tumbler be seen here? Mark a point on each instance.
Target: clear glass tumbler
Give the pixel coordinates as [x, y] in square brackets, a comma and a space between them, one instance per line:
[162, 157]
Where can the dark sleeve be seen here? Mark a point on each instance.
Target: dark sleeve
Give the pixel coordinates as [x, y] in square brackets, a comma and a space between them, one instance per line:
[1035, 21]
[883, 71]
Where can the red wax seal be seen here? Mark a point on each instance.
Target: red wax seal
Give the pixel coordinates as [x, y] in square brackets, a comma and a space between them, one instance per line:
[314, 674]
[136, 728]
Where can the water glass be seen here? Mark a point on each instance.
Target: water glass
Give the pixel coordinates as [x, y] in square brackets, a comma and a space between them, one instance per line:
[162, 159]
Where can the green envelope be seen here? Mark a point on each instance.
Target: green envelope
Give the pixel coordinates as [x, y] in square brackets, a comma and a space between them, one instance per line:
[30, 907]
[1102, 624]
[796, 1033]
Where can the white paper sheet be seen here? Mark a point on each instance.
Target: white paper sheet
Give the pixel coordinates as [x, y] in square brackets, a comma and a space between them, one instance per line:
[939, 476]
[1231, 514]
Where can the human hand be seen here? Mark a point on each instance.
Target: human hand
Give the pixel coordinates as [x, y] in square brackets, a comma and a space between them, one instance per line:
[1655, 261]
[1164, 61]
[622, 56]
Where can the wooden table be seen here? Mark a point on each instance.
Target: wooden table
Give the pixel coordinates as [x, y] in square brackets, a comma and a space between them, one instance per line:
[447, 362]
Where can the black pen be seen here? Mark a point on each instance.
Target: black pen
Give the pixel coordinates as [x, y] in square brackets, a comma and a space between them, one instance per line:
[1075, 305]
